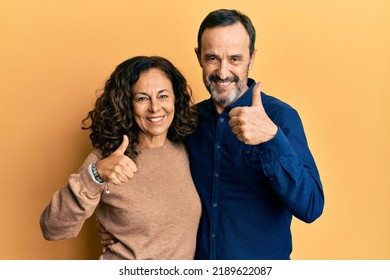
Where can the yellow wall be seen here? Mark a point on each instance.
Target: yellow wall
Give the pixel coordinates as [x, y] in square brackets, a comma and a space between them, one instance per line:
[329, 59]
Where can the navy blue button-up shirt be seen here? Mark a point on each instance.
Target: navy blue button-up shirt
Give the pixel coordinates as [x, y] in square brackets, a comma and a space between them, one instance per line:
[250, 192]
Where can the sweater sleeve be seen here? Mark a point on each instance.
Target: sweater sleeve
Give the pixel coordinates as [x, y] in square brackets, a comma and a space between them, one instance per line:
[71, 205]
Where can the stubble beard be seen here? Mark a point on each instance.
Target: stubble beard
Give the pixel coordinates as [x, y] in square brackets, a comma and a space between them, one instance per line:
[222, 97]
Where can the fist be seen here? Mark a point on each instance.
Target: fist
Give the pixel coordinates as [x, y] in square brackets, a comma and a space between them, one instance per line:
[251, 124]
[117, 168]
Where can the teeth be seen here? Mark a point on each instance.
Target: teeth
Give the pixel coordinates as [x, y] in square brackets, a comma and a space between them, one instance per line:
[155, 119]
[223, 83]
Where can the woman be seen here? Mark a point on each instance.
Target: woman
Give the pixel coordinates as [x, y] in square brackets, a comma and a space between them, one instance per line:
[144, 114]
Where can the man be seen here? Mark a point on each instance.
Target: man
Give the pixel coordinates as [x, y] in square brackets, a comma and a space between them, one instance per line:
[249, 156]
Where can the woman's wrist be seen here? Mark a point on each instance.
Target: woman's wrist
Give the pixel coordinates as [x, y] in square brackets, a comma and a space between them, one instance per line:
[95, 174]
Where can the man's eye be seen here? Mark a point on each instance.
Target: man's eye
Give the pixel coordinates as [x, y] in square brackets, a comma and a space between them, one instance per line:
[211, 59]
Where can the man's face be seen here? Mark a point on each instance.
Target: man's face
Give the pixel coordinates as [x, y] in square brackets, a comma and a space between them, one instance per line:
[225, 61]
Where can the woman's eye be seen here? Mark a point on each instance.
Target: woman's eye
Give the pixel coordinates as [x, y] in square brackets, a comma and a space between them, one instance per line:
[142, 99]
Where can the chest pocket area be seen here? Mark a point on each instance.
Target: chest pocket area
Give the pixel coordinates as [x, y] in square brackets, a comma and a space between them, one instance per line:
[247, 158]
[251, 157]
[249, 170]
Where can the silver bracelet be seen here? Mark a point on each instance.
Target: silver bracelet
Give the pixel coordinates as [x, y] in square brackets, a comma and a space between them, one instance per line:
[96, 174]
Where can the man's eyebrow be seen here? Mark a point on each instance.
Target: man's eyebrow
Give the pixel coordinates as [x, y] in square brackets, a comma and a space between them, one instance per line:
[207, 55]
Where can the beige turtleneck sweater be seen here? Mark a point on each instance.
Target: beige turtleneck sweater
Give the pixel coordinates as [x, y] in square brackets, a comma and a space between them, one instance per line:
[155, 215]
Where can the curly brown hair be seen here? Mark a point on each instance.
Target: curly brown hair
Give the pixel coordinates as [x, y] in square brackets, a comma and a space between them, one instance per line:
[113, 117]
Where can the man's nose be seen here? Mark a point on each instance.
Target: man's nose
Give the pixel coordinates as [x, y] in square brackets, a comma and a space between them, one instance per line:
[223, 70]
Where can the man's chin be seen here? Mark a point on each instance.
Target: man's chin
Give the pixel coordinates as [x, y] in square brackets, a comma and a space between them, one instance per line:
[222, 100]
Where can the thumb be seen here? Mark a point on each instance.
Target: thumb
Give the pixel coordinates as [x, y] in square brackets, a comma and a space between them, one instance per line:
[122, 148]
[256, 95]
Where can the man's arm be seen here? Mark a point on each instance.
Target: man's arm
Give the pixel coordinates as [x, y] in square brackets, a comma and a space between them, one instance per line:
[292, 171]
[284, 153]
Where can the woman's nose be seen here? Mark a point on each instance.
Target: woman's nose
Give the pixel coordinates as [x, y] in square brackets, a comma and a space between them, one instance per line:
[154, 105]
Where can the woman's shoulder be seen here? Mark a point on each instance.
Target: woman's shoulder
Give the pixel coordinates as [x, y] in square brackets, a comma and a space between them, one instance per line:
[175, 146]
[178, 149]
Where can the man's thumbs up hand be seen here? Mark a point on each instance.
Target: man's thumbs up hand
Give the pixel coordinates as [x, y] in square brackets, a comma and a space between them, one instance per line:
[256, 95]
[117, 168]
[251, 124]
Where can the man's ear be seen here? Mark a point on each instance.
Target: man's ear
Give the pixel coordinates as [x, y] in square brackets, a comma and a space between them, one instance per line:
[197, 52]
[252, 59]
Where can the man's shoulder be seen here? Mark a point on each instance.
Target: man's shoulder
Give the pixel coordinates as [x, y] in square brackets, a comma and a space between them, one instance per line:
[204, 107]
[203, 103]
[276, 108]
[273, 103]
[269, 100]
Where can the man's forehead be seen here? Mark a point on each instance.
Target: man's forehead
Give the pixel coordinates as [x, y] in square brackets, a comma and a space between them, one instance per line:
[230, 34]
[231, 40]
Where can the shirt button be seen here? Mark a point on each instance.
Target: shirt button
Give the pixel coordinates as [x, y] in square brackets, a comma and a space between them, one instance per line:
[213, 235]
[221, 119]
[218, 147]
[215, 204]
[217, 175]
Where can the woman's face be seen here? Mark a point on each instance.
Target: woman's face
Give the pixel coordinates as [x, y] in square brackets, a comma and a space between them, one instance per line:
[154, 107]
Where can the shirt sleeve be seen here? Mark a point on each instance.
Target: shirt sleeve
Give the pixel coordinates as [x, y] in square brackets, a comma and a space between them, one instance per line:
[71, 205]
[290, 167]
